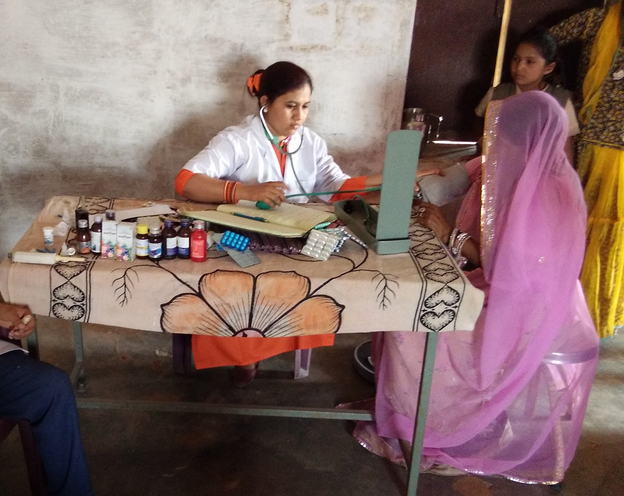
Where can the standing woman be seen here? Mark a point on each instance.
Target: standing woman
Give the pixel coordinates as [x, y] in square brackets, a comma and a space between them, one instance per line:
[534, 67]
[269, 155]
[601, 157]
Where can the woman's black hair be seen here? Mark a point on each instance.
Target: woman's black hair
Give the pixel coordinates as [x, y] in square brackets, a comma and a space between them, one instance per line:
[546, 44]
[544, 41]
[277, 79]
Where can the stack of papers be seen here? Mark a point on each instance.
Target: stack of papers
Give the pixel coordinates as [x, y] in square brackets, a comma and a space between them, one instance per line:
[287, 220]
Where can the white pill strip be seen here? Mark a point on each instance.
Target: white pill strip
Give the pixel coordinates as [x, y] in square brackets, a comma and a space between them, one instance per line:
[320, 245]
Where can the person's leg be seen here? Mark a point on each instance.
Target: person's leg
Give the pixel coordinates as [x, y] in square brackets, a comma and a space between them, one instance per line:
[43, 395]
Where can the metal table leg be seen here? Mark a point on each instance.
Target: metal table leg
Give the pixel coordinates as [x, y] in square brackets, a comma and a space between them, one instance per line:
[77, 375]
[421, 412]
[431, 341]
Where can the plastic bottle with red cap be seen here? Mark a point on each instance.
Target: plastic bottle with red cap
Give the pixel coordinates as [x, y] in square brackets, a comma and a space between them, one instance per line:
[199, 241]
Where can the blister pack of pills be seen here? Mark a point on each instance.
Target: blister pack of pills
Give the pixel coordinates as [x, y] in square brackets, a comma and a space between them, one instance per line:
[243, 258]
[343, 235]
[234, 241]
[320, 245]
[274, 244]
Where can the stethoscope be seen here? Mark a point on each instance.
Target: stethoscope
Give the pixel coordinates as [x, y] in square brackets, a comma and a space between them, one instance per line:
[274, 141]
[263, 206]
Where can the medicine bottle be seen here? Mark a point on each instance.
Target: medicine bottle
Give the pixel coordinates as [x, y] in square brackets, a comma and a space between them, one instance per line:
[142, 248]
[198, 242]
[83, 238]
[154, 243]
[110, 215]
[96, 234]
[184, 239]
[48, 237]
[170, 241]
[81, 213]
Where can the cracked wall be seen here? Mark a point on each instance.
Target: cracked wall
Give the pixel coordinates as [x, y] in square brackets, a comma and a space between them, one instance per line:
[111, 97]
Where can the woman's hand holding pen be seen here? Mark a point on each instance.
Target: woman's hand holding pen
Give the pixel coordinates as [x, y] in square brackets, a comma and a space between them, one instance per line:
[271, 193]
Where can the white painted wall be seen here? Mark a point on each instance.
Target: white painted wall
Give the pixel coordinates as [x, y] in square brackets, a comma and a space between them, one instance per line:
[111, 97]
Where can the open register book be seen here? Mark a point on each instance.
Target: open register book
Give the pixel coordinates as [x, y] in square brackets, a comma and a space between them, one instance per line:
[287, 220]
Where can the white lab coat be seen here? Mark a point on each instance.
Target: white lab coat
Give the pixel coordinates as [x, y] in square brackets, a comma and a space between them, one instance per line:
[243, 153]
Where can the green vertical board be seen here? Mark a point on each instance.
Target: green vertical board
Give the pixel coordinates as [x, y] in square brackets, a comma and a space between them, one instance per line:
[399, 178]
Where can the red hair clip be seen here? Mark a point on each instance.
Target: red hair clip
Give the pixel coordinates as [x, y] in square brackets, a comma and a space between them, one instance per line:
[253, 84]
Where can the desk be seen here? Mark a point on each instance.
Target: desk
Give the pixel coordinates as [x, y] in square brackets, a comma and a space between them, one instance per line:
[286, 295]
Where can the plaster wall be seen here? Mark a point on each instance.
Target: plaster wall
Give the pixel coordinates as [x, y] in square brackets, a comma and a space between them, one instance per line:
[111, 97]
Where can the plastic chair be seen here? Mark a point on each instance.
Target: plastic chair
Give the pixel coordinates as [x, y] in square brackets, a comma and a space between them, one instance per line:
[555, 363]
[34, 467]
[183, 357]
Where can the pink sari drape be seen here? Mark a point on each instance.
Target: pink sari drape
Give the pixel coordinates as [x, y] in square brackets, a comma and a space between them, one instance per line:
[510, 397]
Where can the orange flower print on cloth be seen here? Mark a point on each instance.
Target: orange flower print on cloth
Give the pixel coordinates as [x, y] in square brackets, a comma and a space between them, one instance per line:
[272, 304]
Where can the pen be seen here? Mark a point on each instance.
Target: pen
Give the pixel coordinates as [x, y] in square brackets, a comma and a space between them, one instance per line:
[259, 219]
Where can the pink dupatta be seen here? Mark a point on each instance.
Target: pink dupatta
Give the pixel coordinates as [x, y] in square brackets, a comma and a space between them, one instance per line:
[510, 397]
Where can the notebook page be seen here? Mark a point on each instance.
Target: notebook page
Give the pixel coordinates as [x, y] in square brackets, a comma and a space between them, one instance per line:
[287, 214]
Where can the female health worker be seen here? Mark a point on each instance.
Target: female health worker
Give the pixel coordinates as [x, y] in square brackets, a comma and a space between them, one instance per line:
[266, 157]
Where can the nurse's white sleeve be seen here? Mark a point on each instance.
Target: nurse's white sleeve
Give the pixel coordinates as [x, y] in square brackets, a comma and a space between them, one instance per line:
[218, 159]
[329, 176]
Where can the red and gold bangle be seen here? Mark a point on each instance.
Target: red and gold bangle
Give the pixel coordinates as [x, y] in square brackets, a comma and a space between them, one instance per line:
[225, 187]
[233, 192]
[234, 200]
[229, 191]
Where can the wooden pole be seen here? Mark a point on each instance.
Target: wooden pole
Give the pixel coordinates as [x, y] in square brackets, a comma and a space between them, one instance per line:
[502, 40]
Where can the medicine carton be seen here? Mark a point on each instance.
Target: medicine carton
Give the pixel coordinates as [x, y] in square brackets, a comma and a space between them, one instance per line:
[109, 238]
[126, 241]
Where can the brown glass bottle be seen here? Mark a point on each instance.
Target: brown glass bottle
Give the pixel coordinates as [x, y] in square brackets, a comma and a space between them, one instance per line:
[96, 234]
[83, 238]
[81, 213]
[155, 243]
[184, 239]
[170, 241]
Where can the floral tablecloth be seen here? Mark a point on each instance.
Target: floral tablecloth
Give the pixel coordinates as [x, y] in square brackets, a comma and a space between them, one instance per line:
[356, 290]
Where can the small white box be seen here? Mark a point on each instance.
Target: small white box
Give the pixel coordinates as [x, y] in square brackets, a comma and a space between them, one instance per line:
[126, 241]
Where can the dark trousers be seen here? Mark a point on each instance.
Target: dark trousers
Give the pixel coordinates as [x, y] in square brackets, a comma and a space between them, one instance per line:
[43, 395]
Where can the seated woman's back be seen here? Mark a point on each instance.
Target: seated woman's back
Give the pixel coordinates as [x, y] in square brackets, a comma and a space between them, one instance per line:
[497, 401]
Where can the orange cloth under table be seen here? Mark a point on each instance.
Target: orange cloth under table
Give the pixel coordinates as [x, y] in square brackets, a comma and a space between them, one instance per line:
[214, 351]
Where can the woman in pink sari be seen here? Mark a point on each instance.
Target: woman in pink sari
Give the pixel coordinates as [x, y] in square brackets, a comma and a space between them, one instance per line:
[510, 397]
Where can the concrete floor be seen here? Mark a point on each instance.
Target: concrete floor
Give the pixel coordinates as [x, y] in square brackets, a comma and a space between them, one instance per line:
[147, 453]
